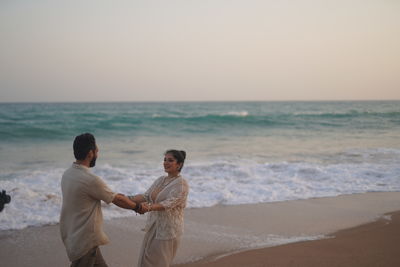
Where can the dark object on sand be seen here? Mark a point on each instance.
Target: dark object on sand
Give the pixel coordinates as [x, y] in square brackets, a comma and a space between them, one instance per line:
[4, 199]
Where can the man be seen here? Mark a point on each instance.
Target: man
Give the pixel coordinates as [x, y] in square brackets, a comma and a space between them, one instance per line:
[81, 220]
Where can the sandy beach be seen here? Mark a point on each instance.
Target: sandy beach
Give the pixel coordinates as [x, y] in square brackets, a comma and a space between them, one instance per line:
[371, 244]
[352, 229]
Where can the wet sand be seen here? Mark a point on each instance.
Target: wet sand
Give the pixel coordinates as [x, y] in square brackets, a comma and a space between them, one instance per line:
[373, 244]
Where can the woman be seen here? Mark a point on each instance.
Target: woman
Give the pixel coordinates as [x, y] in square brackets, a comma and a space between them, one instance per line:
[165, 200]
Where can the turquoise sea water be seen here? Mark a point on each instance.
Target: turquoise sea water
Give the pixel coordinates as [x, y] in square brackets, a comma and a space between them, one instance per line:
[61, 121]
[238, 152]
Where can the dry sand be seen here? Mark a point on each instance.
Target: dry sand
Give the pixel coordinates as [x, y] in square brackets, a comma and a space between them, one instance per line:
[215, 231]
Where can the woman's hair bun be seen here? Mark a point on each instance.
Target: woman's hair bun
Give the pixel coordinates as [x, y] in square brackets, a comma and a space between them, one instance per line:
[183, 154]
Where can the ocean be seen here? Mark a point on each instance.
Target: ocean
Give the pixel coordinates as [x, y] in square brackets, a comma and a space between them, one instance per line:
[237, 152]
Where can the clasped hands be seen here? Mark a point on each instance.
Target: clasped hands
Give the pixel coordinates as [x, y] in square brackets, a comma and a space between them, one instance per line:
[143, 207]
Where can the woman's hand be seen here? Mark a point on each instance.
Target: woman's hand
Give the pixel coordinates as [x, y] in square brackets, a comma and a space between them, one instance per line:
[145, 207]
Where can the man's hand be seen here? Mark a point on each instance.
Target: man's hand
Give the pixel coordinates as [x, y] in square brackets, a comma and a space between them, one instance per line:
[144, 207]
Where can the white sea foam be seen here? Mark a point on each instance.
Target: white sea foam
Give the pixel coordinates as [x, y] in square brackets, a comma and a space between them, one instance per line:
[36, 194]
[237, 113]
[241, 113]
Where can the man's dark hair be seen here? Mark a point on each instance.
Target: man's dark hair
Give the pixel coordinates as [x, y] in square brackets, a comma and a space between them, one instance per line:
[83, 144]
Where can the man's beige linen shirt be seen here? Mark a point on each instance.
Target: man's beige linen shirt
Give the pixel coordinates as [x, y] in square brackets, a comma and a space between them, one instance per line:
[81, 220]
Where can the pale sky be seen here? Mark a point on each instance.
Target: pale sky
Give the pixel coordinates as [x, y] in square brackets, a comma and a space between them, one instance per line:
[204, 50]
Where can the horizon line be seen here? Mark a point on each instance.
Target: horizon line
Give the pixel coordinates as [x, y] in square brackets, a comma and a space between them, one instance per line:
[192, 101]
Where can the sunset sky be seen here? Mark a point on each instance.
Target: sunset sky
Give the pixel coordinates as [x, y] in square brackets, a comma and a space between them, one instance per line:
[204, 50]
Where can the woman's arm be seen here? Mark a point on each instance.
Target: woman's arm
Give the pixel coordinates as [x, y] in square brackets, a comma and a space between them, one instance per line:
[177, 196]
[144, 197]
[146, 207]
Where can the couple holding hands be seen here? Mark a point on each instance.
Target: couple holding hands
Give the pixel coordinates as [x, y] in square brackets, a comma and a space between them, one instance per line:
[81, 219]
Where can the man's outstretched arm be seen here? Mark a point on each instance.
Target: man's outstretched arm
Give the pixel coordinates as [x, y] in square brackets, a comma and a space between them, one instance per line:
[124, 202]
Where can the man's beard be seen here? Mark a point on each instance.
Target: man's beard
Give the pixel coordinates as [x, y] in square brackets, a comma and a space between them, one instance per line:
[92, 162]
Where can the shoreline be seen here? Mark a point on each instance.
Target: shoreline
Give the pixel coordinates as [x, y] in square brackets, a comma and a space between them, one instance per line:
[213, 231]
